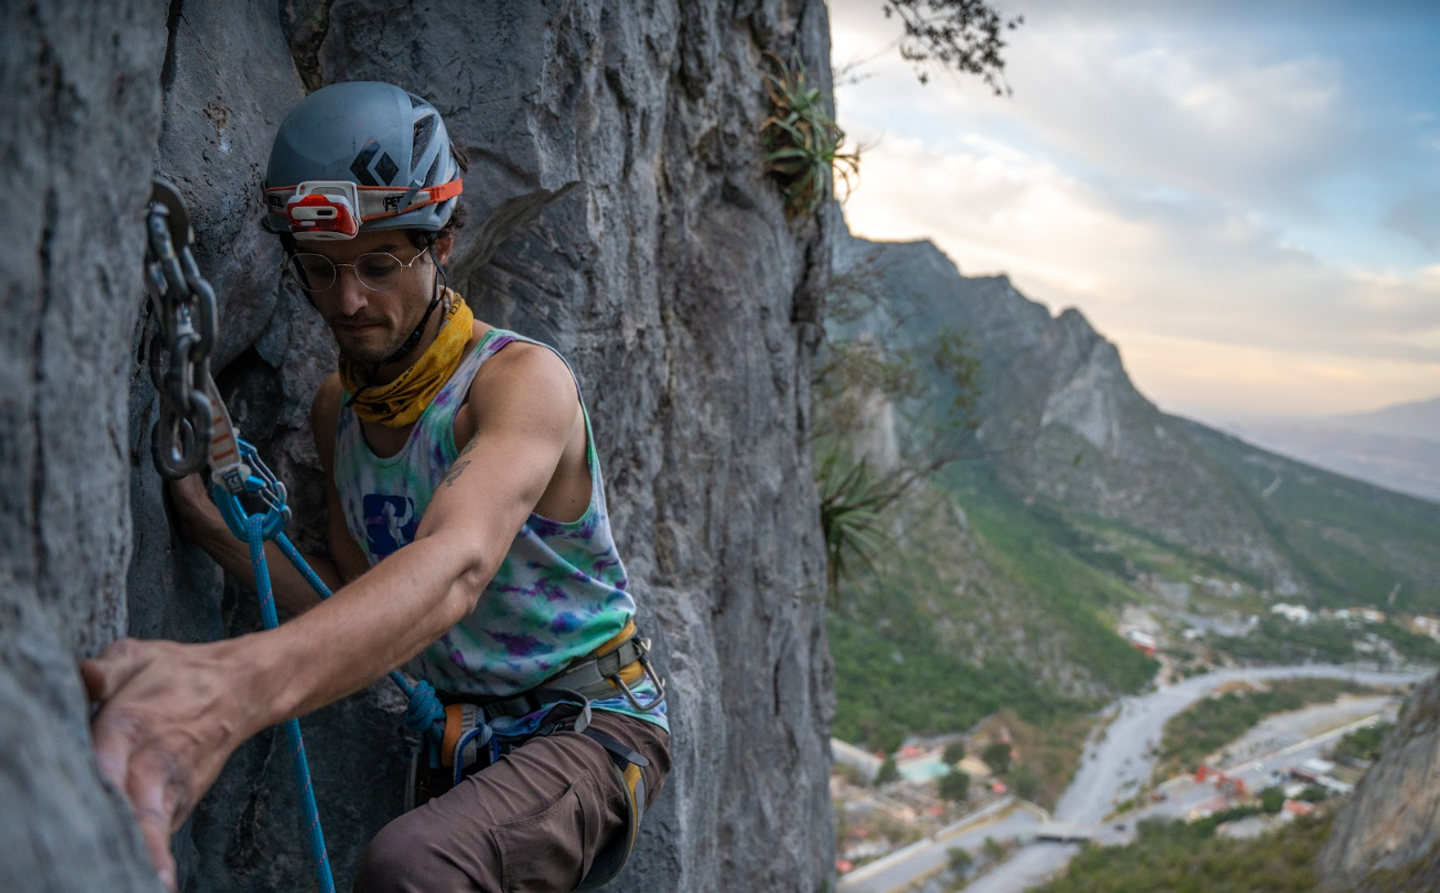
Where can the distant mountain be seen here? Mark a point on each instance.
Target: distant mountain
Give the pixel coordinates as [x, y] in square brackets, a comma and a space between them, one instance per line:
[1062, 421]
[1419, 419]
[1397, 447]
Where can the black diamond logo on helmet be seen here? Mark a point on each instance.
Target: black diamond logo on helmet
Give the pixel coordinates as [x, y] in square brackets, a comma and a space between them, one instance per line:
[360, 167]
[387, 168]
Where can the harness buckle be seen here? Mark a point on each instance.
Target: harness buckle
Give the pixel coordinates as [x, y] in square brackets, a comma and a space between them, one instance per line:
[643, 646]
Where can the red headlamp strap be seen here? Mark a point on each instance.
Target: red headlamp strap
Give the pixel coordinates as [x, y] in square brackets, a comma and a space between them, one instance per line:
[370, 202]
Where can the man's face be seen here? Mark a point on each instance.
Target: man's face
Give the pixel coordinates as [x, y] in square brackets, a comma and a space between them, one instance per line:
[370, 325]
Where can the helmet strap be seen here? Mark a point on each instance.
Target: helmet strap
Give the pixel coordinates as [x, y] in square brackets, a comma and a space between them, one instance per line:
[419, 330]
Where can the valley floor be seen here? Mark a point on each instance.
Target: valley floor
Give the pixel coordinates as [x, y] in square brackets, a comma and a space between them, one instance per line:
[1007, 838]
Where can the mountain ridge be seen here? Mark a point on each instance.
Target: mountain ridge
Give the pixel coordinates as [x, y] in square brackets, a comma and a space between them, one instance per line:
[1061, 421]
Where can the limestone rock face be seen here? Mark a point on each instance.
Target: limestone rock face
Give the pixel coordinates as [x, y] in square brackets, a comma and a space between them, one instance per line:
[1384, 840]
[618, 211]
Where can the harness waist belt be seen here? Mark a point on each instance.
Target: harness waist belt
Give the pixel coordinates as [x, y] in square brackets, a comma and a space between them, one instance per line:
[593, 678]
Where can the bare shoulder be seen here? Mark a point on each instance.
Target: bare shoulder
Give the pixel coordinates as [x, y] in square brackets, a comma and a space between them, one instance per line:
[527, 372]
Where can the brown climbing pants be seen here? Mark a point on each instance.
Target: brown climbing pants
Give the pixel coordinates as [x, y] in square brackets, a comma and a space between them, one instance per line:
[531, 822]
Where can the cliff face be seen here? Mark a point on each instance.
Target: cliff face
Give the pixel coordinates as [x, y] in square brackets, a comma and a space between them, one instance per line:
[618, 211]
[1059, 416]
[1386, 839]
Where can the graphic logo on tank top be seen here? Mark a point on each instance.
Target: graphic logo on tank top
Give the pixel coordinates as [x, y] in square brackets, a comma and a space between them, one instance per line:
[390, 522]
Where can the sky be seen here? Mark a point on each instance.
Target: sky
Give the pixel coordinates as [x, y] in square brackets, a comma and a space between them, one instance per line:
[1243, 196]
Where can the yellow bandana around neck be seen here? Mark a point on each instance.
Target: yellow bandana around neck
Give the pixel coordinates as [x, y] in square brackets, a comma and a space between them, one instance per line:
[400, 402]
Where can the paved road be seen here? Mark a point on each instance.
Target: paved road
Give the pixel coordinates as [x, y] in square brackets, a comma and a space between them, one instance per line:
[1119, 764]
[1266, 767]
[1001, 820]
[1113, 767]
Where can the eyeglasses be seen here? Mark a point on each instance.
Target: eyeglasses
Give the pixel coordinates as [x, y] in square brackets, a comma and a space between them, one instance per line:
[377, 271]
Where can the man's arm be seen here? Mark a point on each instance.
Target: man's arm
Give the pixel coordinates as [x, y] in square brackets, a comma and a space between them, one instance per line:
[200, 522]
[171, 714]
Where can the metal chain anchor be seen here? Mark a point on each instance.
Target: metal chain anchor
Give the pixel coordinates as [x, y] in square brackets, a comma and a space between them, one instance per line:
[183, 307]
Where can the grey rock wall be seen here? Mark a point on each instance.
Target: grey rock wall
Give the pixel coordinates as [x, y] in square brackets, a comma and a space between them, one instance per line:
[1384, 839]
[619, 211]
[72, 86]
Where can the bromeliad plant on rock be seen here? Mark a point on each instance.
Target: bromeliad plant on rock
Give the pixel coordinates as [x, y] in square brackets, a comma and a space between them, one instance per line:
[803, 143]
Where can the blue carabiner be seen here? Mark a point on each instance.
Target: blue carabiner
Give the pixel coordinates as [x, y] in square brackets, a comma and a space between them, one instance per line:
[260, 483]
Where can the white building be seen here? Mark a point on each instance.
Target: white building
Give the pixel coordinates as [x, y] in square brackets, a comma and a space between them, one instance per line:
[1294, 613]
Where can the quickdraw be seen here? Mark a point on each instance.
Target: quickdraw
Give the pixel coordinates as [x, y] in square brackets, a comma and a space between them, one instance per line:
[183, 311]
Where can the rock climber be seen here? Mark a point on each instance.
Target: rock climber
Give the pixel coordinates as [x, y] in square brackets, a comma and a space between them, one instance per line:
[468, 536]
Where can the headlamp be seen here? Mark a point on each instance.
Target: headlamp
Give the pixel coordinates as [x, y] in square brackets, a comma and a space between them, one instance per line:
[324, 210]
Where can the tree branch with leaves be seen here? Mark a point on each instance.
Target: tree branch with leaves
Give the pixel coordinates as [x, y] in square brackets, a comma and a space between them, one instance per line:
[961, 35]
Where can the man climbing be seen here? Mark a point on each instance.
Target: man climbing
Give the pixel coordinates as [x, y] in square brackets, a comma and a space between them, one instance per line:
[461, 455]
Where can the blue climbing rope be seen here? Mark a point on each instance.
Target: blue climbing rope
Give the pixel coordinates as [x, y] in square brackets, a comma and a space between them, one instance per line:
[256, 537]
[424, 714]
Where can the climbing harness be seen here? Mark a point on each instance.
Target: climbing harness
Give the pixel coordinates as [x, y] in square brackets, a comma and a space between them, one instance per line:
[469, 743]
[456, 732]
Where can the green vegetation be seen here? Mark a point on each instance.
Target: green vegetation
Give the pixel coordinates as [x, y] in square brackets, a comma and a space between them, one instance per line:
[954, 752]
[905, 679]
[1048, 750]
[955, 786]
[1272, 799]
[1181, 858]
[1412, 645]
[997, 757]
[960, 860]
[1209, 725]
[1039, 551]
[993, 849]
[1363, 743]
[959, 35]
[887, 772]
[914, 654]
[1355, 544]
[803, 142]
[934, 381]
[1277, 640]
[852, 503]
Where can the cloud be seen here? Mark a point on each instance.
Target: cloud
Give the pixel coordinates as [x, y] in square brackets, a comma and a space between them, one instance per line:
[1200, 185]
[1222, 381]
[1418, 216]
[1160, 267]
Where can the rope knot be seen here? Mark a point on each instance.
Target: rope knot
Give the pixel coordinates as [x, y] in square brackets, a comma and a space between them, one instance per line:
[424, 714]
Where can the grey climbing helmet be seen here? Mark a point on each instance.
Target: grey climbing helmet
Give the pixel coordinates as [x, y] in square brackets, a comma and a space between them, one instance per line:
[360, 156]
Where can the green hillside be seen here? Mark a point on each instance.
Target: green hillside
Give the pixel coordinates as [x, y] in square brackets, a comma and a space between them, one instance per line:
[1355, 543]
[961, 619]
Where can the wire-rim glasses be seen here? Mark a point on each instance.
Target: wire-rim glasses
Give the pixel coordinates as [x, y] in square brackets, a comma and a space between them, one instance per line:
[377, 270]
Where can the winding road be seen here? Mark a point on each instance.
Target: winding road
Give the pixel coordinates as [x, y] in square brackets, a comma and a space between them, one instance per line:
[1115, 764]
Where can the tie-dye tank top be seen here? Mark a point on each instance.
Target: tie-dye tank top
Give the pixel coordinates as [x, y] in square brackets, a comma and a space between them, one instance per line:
[558, 594]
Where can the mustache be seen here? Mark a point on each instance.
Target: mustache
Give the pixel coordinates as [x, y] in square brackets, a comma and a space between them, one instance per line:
[355, 321]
